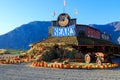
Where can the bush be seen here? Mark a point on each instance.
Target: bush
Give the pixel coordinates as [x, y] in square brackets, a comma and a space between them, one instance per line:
[69, 54]
[47, 56]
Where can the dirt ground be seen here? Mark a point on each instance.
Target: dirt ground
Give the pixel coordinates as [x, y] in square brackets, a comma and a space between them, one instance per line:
[25, 72]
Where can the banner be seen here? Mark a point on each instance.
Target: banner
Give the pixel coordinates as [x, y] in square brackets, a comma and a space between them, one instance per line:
[76, 11]
[64, 3]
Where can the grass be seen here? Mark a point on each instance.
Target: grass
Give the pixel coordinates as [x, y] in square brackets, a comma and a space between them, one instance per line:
[15, 52]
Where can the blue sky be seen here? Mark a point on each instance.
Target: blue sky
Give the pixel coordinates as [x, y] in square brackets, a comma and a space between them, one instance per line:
[14, 13]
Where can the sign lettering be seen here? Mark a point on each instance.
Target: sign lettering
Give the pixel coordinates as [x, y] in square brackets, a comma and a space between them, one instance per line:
[64, 31]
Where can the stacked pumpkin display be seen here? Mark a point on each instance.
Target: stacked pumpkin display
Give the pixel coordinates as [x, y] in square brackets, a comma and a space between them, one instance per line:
[10, 60]
[99, 64]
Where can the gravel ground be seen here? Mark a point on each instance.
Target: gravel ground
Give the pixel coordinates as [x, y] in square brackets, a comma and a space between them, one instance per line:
[24, 72]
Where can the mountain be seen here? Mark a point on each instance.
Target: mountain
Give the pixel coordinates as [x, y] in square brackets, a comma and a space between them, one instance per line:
[111, 28]
[24, 35]
[35, 31]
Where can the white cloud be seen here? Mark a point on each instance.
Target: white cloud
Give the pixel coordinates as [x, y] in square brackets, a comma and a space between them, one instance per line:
[118, 39]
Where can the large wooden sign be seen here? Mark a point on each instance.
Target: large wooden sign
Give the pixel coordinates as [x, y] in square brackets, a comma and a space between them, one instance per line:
[63, 26]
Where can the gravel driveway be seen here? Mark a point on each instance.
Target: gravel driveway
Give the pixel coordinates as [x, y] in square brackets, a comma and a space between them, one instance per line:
[24, 72]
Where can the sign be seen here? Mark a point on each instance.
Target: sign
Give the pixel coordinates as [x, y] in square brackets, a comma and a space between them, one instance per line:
[105, 36]
[63, 20]
[64, 31]
[93, 33]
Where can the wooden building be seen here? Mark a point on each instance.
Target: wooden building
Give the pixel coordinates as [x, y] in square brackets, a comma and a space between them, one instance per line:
[65, 31]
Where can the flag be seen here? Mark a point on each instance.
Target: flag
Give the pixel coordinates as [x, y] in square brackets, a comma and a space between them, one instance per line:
[54, 14]
[76, 11]
[64, 3]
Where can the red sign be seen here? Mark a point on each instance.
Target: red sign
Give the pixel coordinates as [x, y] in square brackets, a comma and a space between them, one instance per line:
[93, 33]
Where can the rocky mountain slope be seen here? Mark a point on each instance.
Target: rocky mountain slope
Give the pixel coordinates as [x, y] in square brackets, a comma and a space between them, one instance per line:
[26, 34]
[111, 28]
[22, 36]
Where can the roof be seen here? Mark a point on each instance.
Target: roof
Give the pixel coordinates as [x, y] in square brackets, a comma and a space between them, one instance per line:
[87, 26]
